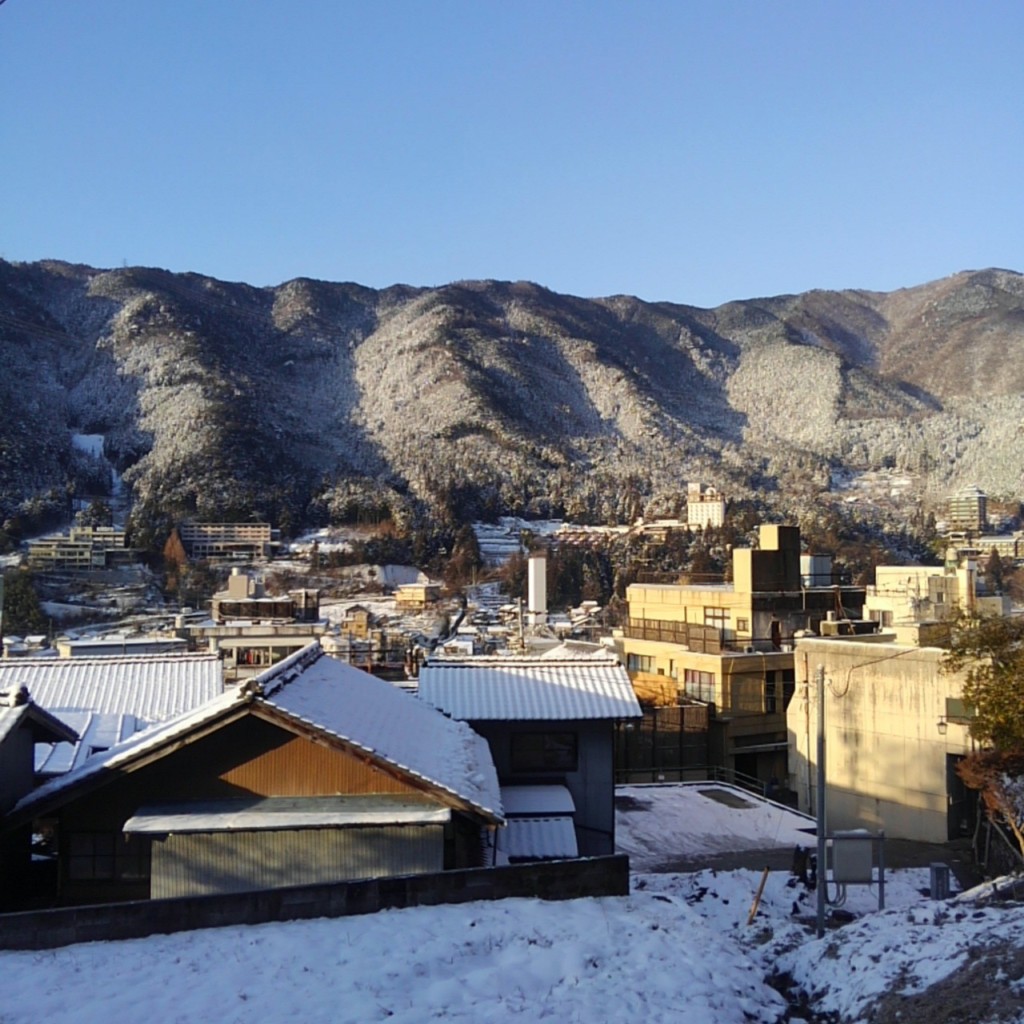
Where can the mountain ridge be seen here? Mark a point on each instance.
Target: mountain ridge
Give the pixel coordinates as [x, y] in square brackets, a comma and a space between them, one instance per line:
[313, 401]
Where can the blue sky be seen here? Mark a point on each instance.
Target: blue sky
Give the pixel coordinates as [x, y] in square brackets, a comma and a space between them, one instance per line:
[681, 151]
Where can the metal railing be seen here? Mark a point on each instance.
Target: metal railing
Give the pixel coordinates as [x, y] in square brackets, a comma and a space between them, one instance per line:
[692, 773]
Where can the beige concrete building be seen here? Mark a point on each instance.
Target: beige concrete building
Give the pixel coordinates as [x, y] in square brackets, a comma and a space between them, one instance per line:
[82, 547]
[228, 542]
[895, 723]
[968, 510]
[414, 597]
[895, 727]
[731, 647]
[252, 631]
[922, 593]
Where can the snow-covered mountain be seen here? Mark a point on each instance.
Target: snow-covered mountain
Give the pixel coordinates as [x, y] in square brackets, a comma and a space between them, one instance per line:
[313, 400]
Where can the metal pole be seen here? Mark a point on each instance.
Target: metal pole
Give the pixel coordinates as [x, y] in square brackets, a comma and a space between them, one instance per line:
[820, 873]
[881, 870]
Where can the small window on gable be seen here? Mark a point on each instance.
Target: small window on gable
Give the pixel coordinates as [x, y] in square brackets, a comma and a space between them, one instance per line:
[544, 751]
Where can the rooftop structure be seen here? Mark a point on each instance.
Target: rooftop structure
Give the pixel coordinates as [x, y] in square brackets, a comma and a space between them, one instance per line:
[251, 630]
[152, 688]
[312, 772]
[730, 645]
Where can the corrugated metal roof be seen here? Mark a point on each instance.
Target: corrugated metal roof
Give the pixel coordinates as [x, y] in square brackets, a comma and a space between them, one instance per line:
[539, 800]
[152, 688]
[97, 733]
[539, 839]
[487, 689]
[280, 813]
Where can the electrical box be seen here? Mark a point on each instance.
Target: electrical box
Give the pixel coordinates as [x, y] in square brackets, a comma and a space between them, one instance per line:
[852, 857]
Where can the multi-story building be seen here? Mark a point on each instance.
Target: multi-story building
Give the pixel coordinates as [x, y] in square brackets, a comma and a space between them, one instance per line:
[704, 506]
[968, 510]
[415, 597]
[228, 542]
[252, 630]
[925, 593]
[731, 645]
[894, 728]
[82, 547]
[894, 724]
[1009, 546]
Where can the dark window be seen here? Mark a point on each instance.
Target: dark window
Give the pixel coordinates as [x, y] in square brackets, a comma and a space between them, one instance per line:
[770, 700]
[788, 686]
[544, 751]
[108, 856]
[639, 663]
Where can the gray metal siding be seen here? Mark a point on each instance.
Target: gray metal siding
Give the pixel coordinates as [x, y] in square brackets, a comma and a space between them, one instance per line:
[222, 862]
[592, 785]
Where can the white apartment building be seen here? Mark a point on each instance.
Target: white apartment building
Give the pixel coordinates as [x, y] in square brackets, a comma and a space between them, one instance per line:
[705, 506]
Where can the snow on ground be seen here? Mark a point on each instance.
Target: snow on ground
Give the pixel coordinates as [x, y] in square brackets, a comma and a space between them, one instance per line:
[91, 444]
[661, 823]
[677, 948]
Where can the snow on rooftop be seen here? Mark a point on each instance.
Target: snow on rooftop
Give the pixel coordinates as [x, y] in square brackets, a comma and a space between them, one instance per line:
[153, 688]
[528, 689]
[384, 720]
[97, 732]
[343, 701]
[663, 823]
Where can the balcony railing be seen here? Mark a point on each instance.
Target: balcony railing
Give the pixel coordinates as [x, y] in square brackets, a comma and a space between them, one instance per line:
[705, 639]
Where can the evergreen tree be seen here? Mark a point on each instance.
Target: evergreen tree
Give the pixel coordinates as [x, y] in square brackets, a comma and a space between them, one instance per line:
[990, 653]
[21, 612]
[995, 572]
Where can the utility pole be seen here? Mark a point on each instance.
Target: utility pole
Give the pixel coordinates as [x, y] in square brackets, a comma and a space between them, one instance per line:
[820, 874]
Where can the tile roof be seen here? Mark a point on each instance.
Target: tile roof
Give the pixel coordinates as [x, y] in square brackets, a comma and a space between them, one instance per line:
[382, 719]
[153, 688]
[340, 701]
[47, 727]
[511, 689]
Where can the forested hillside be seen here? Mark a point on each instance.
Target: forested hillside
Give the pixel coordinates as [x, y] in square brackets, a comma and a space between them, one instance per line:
[313, 402]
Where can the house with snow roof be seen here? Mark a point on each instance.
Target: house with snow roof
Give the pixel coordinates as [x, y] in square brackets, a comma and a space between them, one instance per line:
[107, 699]
[23, 726]
[311, 772]
[551, 727]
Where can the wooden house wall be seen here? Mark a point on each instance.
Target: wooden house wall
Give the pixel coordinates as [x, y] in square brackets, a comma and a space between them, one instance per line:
[245, 759]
